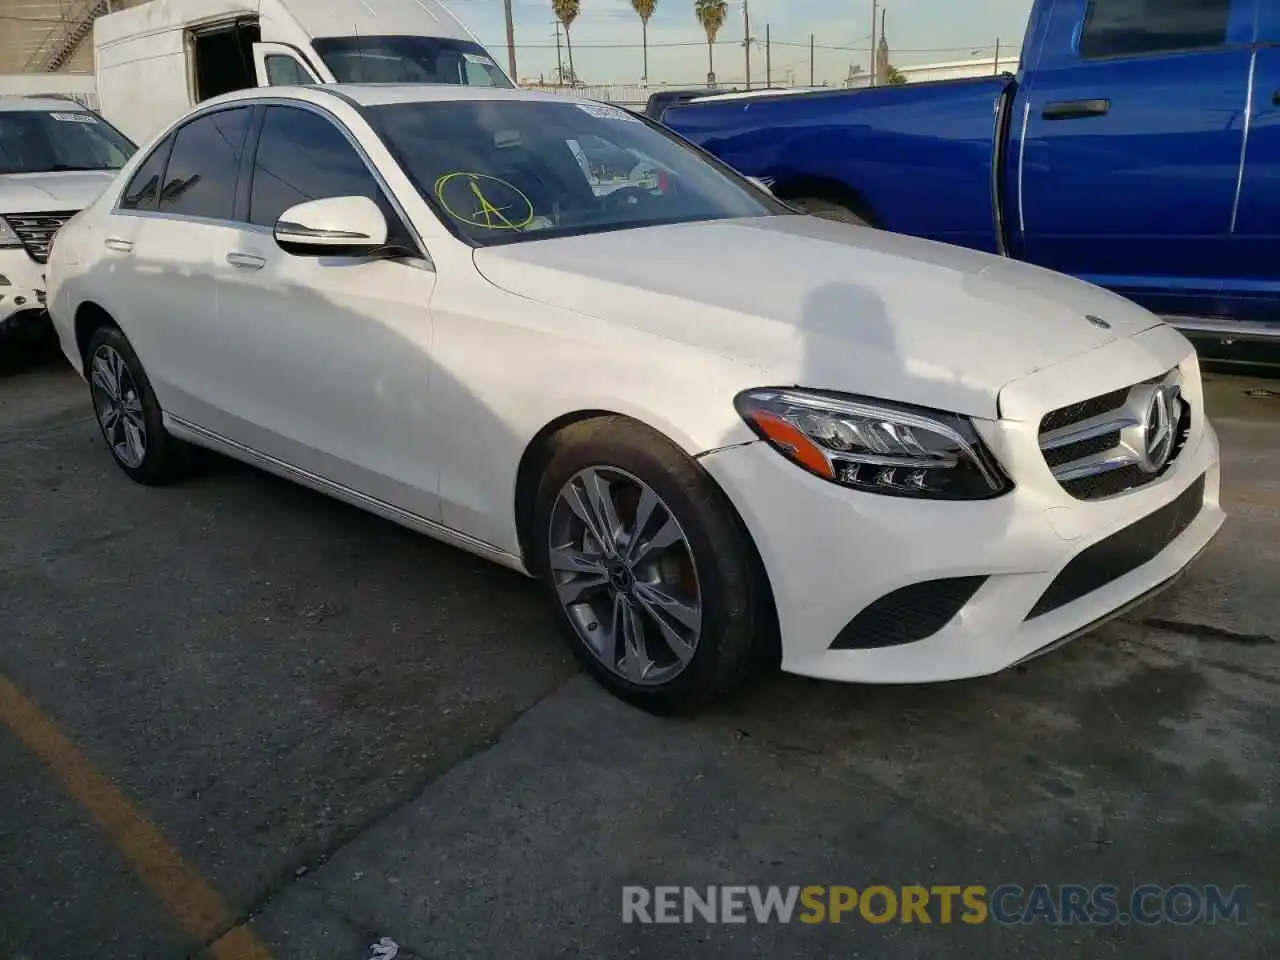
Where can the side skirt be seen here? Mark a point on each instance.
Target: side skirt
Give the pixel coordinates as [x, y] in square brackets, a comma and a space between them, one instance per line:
[193, 433]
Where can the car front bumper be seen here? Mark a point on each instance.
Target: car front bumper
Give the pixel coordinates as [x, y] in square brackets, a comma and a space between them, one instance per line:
[878, 589]
[22, 287]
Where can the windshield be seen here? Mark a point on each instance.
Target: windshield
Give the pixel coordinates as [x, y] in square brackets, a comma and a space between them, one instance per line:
[41, 141]
[409, 60]
[503, 171]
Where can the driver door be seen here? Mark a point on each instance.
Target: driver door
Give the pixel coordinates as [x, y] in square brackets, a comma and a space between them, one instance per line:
[330, 355]
[282, 65]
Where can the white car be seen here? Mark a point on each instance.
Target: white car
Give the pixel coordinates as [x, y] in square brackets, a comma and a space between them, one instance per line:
[721, 433]
[55, 157]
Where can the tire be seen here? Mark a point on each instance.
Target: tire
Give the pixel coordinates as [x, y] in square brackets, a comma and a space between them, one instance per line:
[160, 458]
[714, 565]
[829, 210]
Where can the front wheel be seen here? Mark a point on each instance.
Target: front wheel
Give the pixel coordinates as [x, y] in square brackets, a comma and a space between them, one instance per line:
[654, 581]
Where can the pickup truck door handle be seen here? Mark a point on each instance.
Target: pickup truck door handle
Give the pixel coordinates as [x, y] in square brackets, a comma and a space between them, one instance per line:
[246, 260]
[118, 245]
[1075, 109]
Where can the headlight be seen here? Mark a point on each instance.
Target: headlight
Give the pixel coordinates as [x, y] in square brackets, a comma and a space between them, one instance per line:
[7, 237]
[875, 446]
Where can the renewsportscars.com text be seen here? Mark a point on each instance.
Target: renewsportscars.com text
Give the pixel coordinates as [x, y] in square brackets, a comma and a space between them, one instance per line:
[1007, 904]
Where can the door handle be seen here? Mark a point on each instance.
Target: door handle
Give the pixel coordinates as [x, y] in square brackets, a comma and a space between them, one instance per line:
[118, 245]
[247, 261]
[1075, 109]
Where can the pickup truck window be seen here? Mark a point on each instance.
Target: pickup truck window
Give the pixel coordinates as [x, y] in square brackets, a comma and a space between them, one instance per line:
[1119, 28]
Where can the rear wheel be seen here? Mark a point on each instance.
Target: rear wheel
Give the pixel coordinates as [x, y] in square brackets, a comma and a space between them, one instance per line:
[830, 210]
[654, 581]
[128, 412]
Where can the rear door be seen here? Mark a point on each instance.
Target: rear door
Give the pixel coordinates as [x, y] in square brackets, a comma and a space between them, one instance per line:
[1130, 147]
[169, 257]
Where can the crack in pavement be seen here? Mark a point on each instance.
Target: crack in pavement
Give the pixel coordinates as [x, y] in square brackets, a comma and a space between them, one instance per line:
[1203, 631]
[44, 427]
[289, 877]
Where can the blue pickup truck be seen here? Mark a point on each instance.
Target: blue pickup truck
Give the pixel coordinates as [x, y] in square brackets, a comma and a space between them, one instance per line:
[1137, 147]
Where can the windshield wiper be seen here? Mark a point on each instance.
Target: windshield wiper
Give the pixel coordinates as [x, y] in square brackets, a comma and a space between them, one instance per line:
[70, 168]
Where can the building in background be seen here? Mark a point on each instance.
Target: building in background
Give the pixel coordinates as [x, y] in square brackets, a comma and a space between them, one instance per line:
[46, 46]
[948, 70]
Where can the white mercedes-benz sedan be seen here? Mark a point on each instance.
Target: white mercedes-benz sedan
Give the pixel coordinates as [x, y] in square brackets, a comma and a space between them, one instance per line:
[721, 433]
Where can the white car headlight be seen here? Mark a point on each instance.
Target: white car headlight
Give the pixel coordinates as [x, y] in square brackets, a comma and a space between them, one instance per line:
[7, 237]
[875, 446]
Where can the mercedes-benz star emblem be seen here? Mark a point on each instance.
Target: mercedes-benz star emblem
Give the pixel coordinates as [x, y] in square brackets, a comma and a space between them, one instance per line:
[1097, 321]
[1159, 428]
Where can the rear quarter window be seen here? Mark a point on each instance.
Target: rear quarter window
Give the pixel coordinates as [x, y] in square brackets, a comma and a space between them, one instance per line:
[1118, 28]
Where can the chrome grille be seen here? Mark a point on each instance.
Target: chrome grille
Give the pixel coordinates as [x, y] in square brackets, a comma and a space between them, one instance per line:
[1117, 441]
[36, 230]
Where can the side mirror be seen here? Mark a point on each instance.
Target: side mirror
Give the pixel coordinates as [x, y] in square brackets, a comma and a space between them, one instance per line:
[332, 227]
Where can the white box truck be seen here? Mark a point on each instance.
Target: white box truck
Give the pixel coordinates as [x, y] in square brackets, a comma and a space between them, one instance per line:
[155, 61]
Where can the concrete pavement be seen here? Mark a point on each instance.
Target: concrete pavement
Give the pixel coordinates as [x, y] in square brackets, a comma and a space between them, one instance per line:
[350, 732]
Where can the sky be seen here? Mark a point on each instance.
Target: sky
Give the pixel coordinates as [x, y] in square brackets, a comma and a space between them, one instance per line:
[607, 39]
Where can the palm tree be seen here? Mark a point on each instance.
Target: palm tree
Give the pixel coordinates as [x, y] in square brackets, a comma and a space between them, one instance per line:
[566, 12]
[644, 8]
[711, 14]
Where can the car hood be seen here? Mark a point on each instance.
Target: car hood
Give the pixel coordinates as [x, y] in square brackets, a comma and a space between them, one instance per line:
[826, 305]
[48, 192]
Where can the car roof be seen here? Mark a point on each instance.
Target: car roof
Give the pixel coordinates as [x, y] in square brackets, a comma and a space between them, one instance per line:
[378, 94]
[41, 103]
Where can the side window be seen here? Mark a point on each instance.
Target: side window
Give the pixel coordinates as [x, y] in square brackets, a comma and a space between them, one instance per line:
[283, 71]
[1117, 28]
[302, 156]
[144, 187]
[201, 179]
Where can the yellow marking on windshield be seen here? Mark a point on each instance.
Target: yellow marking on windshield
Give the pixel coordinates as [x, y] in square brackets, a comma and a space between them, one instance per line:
[488, 214]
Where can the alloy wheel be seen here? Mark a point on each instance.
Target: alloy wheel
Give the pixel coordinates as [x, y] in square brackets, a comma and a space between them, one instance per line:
[118, 406]
[625, 574]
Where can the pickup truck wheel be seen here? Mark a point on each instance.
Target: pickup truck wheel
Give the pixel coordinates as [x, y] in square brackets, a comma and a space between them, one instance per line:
[829, 210]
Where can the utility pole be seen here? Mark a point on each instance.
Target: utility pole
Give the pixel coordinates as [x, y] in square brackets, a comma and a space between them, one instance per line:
[811, 59]
[768, 58]
[875, 10]
[996, 66]
[511, 41]
[885, 78]
[559, 62]
[746, 41]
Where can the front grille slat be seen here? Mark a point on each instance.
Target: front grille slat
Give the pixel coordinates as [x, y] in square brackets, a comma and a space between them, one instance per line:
[1093, 447]
[36, 230]
[1084, 410]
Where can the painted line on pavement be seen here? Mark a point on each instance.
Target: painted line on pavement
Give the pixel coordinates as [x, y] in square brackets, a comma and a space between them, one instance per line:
[194, 904]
